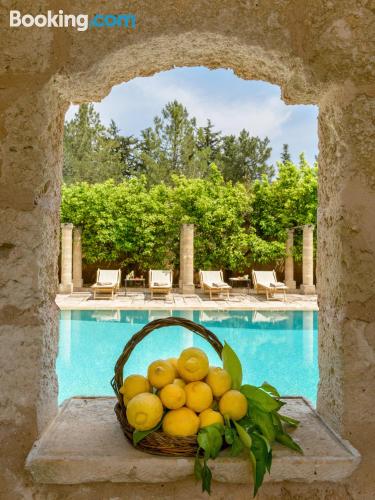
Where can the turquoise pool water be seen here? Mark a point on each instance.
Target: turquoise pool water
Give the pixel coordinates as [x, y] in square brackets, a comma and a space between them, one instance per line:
[277, 346]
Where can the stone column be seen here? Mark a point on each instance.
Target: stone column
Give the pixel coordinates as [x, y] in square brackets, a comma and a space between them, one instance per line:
[308, 286]
[289, 261]
[187, 259]
[182, 249]
[346, 274]
[77, 258]
[66, 285]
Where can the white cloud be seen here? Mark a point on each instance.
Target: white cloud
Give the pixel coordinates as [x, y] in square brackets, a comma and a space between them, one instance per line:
[260, 118]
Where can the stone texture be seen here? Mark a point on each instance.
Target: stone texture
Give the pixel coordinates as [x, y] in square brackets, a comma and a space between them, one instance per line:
[308, 286]
[289, 261]
[319, 52]
[85, 444]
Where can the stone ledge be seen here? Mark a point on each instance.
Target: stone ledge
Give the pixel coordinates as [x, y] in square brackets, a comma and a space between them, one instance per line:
[84, 443]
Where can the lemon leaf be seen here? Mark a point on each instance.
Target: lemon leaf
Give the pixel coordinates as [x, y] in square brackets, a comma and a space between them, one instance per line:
[232, 365]
[243, 435]
[139, 435]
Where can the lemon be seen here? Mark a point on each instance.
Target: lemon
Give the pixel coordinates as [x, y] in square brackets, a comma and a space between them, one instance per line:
[160, 373]
[181, 422]
[172, 396]
[233, 404]
[192, 364]
[144, 411]
[179, 382]
[219, 380]
[209, 417]
[198, 396]
[173, 362]
[133, 385]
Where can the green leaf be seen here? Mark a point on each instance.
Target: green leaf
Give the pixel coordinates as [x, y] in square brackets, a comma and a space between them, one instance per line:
[209, 438]
[237, 446]
[232, 365]
[289, 420]
[264, 422]
[260, 451]
[260, 398]
[288, 441]
[271, 389]
[198, 469]
[139, 435]
[204, 442]
[269, 461]
[243, 435]
[206, 478]
[253, 464]
[229, 435]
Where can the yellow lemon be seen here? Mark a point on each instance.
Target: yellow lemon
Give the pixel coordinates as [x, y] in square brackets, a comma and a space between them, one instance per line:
[144, 411]
[160, 373]
[192, 364]
[234, 404]
[181, 422]
[179, 382]
[198, 396]
[219, 380]
[133, 385]
[173, 362]
[172, 396]
[209, 417]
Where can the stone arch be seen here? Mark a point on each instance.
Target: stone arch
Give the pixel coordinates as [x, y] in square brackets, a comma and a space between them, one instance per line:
[317, 53]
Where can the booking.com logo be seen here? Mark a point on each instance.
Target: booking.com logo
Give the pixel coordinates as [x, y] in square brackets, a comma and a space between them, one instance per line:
[81, 22]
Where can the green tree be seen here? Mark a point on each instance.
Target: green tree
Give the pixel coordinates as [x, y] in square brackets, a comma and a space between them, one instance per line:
[90, 153]
[285, 155]
[244, 158]
[288, 201]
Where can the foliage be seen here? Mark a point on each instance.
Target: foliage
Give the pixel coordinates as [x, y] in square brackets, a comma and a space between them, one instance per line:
[138, 225]
[91, 152]
[255, 434]
[174, 144]
[288, 201]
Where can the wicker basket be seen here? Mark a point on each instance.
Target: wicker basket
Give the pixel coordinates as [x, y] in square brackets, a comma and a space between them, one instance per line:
[158, 443]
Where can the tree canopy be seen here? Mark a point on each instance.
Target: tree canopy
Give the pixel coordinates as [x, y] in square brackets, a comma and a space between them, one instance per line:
[130, 195]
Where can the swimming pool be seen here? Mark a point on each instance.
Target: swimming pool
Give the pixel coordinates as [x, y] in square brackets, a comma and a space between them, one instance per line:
[277, 346]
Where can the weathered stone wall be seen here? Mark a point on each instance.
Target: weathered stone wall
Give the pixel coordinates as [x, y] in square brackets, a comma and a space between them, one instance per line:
[318, 52]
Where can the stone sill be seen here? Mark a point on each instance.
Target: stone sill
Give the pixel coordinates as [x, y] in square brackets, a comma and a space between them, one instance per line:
[84, 444]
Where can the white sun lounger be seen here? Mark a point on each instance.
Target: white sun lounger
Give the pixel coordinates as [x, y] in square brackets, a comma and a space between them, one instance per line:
[267, 281]
[160, 281]
[213, 282]
[107, 281]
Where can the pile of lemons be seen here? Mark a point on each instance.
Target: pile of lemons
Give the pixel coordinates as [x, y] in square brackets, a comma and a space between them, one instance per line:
[186, 393]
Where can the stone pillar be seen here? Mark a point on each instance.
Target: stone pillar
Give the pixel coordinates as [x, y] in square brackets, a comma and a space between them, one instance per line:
[308, 286]
[187, 259]
[182, 249]
[289, 261]
[66, 285]
[346, 274]
[77, 258]
[31, 130]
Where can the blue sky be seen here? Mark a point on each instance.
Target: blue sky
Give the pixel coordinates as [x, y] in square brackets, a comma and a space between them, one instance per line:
[231, 103]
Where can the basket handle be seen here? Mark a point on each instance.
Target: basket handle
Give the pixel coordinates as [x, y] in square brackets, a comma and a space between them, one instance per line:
[200, 330]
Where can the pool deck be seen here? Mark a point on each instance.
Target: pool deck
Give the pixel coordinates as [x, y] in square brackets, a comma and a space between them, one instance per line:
[138, 299]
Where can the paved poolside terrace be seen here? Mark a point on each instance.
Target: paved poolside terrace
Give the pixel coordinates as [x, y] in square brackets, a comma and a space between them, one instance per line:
[138, 298]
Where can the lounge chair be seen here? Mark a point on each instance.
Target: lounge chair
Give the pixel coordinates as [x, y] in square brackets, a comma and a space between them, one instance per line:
[160, 281]
[213, 282]
[266, 281]
[107, 281]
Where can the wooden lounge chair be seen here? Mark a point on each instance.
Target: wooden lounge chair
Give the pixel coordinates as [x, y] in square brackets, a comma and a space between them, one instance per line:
[213, 282]
[107, 282]
[266, 281]
[160, 281]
